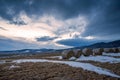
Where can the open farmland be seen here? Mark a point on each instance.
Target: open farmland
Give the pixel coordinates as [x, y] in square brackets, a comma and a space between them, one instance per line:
[53, 67]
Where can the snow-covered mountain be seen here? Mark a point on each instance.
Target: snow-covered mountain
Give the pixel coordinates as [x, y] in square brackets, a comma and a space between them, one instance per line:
[96, 45]
[103, 45]
[26, 51]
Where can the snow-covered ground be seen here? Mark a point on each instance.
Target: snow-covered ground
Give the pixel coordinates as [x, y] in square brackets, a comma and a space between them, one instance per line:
[112, 54]
[55, 57]
[106, 57]
[99, 59]
[85, 66]
[72, 58]
[2, 61]
[13, 66]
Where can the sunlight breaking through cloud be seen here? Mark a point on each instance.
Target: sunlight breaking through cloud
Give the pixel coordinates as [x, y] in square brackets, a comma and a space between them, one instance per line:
[28, 29]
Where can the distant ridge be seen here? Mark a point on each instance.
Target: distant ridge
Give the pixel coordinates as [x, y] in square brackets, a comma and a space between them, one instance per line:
[27, 51]
[115, 43]
[103, 45]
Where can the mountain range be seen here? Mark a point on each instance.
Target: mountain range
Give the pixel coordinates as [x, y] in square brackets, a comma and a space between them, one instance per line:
[111, 44]
[96, 45]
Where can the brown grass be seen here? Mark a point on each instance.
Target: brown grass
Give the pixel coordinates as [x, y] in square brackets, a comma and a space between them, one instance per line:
[48, 71]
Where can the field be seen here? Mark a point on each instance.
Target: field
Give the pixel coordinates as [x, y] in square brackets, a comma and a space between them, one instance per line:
[52, 67]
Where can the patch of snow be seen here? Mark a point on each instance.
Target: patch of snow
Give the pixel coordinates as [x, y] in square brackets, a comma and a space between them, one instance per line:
[111, 54]
[99, 59]
[72, 58]
[12, 66]
[85, 66]
[58, 57]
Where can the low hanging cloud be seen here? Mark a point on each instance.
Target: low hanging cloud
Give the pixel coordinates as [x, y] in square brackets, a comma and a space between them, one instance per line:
[46, 38]
[76, 42]
[9, 44]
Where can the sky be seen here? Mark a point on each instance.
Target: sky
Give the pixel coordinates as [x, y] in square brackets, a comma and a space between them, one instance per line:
[57, 24]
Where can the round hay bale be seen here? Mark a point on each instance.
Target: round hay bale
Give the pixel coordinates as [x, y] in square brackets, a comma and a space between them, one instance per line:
[98, 51]
[116, 50]
[75, 51]
[109, 50]
[64, 53]
[87, 52]
[119, 49]
[102, 49]
[78, 54]
[72, 58]
[67, 54]
[106, 50]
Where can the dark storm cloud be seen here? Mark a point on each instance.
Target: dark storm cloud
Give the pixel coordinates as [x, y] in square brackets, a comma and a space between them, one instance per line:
[103, 16]
[105, 21]
[65, 8]
[45, 38]
[76, 42]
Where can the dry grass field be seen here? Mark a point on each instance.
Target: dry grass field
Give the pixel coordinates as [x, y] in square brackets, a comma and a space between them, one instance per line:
[52, 71]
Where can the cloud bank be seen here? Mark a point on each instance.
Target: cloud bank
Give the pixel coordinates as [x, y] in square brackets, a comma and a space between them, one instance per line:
[58, 23]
